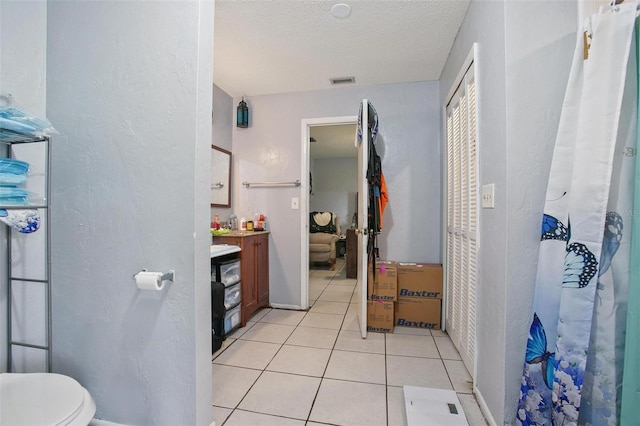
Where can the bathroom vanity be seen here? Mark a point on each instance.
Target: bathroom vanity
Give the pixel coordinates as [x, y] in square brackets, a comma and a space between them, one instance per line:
[254, 265]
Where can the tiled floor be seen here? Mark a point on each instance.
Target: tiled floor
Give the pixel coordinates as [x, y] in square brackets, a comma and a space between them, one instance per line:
[296, 368]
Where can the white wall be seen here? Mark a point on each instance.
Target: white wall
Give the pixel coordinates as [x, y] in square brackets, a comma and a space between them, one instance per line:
[335, 187]
[408, 142]
[23, 31]
[523, 58]
[129, 86]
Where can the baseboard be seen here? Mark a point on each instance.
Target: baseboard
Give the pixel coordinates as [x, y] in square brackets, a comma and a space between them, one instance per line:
[483, 407]
[281, 306]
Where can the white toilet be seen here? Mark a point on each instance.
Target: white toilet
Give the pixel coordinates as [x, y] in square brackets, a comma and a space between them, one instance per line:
[28, 399]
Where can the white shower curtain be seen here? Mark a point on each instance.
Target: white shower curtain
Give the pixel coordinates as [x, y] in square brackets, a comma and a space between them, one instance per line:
[573, 360]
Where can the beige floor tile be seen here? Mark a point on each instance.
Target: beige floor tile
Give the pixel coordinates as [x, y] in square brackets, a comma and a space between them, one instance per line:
[356, 366]
[315, 290]
[396, 413]
[349, 340]
[324, 274]
[414, 331]
[350, 404]
[438, 333]
[411, 371]
[282, 394]
[332, 321]
[343, 281]
[336, 295]
[248, 354]
[313, 337]
[471, 410]
[235, 334]
[231, 384]
[411, 345]
[220, 414]
[246, 418]
[459, 376]
[319, 282]
[284, 317]
[324, 307]
[300, 360]
[446, 348]
[269, 333]
[351, 322]
[257, 316]
[225, 344]
[353, 307]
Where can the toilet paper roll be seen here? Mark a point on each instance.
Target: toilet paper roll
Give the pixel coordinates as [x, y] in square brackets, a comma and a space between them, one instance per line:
[149, 281]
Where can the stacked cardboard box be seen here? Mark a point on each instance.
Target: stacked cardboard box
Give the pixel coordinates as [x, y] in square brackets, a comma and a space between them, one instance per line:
[382, 291]
[419, 295]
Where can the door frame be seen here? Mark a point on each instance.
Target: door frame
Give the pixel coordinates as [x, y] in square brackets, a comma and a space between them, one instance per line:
[470, 62]
[306, 124]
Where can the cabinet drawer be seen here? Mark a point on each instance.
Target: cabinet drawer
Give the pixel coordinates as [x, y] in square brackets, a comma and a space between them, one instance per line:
[232, 319]
[227, 272]
[232, 296]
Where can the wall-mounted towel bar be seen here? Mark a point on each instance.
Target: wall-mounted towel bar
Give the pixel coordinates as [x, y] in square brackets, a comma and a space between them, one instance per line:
[270, 184]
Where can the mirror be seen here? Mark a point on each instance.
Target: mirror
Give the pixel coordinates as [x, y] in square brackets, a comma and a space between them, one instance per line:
[220, 177]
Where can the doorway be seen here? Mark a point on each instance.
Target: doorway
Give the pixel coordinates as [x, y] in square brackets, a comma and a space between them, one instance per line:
[329, 159]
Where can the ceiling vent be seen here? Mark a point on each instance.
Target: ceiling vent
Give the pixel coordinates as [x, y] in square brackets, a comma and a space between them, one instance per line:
[342, 80]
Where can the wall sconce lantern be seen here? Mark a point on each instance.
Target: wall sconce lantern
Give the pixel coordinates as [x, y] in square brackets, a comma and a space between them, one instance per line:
[242, 116]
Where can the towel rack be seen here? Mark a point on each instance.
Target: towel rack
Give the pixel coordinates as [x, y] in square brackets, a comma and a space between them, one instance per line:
[270, 184]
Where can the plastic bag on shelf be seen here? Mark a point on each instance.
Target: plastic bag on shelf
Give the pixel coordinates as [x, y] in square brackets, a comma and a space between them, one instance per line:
[24, 221]
[15, 119]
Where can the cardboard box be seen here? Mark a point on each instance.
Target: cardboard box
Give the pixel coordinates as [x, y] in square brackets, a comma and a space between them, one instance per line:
[422, 280]
[385, 285]
[380, 316]
[418, 312]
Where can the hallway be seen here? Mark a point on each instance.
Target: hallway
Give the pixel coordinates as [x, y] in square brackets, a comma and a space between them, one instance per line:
[295, 368]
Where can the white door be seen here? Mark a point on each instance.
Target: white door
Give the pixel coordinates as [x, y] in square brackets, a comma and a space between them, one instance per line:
[462, 218]
[363, 208]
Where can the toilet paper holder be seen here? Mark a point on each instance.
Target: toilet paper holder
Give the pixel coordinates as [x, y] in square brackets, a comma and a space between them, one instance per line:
[169, 276]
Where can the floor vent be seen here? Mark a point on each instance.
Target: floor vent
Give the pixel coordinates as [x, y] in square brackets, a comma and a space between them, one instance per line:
[434, 407]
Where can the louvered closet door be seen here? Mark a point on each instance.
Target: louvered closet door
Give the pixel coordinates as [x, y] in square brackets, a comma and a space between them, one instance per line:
[462, 219]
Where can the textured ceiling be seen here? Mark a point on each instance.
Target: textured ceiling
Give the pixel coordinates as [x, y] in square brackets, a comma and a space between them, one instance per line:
[280, 46]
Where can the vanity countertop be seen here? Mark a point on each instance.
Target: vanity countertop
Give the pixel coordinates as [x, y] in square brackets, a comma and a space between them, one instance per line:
[241, 234]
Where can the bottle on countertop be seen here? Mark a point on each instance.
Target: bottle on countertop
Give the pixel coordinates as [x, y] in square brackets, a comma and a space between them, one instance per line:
[243, 224]
[216, 222]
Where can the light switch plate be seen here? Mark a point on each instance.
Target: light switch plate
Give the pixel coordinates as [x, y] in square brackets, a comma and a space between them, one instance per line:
[488, 196]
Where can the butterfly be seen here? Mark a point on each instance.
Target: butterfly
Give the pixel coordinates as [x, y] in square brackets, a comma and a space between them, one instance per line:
[553, 229]
[537, 351]
[611, 241]
[580, 265]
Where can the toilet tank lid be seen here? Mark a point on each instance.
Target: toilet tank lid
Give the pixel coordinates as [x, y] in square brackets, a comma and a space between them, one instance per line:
[39, 398]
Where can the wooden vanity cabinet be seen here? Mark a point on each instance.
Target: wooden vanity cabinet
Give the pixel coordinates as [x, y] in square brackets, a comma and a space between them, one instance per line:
[254, 269]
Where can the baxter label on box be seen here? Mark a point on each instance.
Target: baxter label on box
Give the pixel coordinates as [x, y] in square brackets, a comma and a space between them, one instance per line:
[419, 324]
[383, 297]
[378, 329]
[409, 293]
